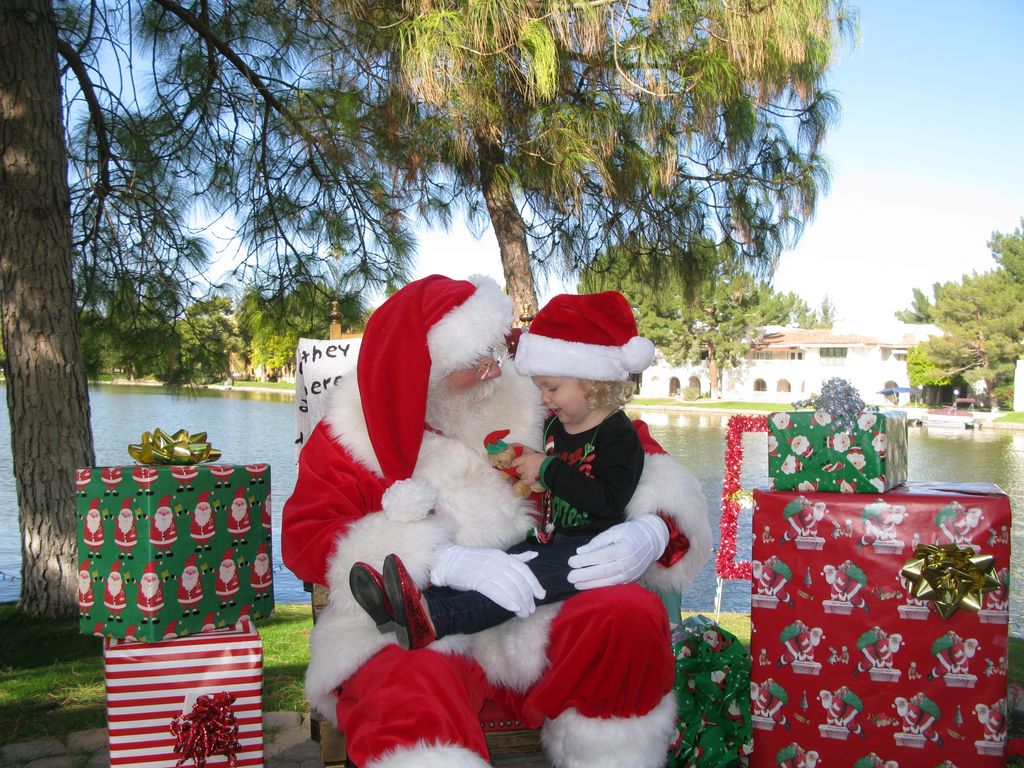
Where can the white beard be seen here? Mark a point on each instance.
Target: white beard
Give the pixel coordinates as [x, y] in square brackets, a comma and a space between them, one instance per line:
[189, 578]
[93, 523]
[202, 515]
[468, 416]
[124, 522]
[261, 566]
[162, 521]
[114, 587]
[150, 587]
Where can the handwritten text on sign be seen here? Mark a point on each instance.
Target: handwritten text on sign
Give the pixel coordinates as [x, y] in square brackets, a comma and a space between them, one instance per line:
[320, 364]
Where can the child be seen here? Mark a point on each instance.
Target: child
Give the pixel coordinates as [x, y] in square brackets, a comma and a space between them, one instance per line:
[579, 351]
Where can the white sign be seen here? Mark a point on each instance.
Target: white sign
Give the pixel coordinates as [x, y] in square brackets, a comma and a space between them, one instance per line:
[319, 365]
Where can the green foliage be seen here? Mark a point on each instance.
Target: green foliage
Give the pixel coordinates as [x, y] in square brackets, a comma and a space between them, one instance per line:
[922, 372]
[714, 315]
[51, 680]
[657, 129]
[921, 310]
[982, 319]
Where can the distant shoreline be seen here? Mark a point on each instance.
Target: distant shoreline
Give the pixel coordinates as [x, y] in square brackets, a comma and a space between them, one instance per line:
[987, 420]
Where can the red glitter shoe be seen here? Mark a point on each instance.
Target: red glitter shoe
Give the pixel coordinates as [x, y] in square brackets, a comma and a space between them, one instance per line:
[367, 587]
[412, 622]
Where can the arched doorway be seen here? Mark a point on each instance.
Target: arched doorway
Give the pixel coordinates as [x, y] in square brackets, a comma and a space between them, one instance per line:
[673, 387]
[760, 385]
[783, 386]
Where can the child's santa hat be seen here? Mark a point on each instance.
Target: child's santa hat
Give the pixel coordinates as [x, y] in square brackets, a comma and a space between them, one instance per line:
[426, 330]
[590, 336]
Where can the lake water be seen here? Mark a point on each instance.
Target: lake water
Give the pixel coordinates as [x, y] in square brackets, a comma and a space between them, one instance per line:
[251, 427]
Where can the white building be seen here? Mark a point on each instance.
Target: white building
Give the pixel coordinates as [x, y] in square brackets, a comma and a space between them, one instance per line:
[792, 363]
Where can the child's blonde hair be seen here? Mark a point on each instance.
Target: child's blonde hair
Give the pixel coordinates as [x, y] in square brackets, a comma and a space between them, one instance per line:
[612, 395]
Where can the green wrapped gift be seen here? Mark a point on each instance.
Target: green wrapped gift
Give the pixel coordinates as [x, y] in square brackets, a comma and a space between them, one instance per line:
[713, 726]
[809, 451]
[168, 550]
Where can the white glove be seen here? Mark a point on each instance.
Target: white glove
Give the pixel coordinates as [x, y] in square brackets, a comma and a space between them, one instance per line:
[495, 574]
[619, 555]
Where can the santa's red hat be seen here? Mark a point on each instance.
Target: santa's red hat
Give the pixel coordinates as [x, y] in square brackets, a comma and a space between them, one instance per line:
[95, 505]
[204, 498]
[228, 555]
[240, 494]
[127, 505]
[151, 568]
[85, 566]
[426, 330]
[262, 550]
[590, 336]
[116, 568]
[164, 502]
[191, 562]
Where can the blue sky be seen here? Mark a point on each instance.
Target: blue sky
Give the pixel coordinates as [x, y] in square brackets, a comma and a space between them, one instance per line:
[927, 161]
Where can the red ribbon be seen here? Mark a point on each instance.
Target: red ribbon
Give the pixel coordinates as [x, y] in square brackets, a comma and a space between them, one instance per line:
[726, 565]
[209, 729]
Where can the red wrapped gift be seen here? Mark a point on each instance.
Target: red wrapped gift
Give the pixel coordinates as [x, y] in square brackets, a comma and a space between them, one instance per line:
[853, 659]
[156, 694]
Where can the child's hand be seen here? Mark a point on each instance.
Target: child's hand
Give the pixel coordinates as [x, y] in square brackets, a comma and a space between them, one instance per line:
[528, 464]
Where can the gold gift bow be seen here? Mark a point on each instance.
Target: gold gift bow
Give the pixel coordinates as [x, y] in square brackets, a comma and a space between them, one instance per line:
[950, 577]
[180, 448]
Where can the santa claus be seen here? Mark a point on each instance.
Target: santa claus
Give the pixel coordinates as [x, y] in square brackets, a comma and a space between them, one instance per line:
[125, 535]
[114, 599]
[226, 585]
[92, 530]
[163, 531]
[86, 596]
[202, 526]
[398, 466]
[239, 522]
[190, 588]
[150, 598]
[262, 576]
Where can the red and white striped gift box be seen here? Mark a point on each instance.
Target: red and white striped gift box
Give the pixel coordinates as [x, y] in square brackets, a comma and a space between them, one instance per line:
[150, 684]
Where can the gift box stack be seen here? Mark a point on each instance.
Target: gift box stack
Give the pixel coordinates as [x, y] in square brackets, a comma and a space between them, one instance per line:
[879, 619]
[174, 564]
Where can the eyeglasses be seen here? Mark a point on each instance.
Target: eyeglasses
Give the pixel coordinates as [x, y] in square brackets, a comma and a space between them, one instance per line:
[486, 365]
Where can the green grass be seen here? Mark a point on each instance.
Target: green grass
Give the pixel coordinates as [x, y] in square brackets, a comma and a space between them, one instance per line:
[51, 677]
[1014, 417]
[266, 384]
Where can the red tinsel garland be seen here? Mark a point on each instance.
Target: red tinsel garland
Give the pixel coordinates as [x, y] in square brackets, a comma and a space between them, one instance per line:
[211, 728]
[725, 559]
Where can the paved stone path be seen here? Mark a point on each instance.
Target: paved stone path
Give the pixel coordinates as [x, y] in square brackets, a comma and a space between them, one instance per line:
[286, 744]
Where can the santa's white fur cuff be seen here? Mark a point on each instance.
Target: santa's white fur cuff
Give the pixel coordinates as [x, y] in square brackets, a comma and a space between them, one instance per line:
[407, 501]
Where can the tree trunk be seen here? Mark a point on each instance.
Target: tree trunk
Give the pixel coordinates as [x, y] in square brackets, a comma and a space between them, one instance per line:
[509, 229]
[47, 394]
[713, 372]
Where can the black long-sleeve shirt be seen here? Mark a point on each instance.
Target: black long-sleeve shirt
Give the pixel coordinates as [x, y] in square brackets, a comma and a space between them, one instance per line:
[591, 476]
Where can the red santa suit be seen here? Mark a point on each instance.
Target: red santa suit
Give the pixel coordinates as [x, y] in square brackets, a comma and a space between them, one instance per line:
[190, 587]
[596, 671]
[163, 531]
[125, 535]
[114, 598]
[86, 596]
[202, 527]
[226, 585]
[92, 531]
[150, 598]
[239, 521]
[262, 574]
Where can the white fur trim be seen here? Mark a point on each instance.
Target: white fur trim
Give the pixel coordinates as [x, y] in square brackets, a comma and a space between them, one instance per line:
[513, 654]
[574, 741]
[409, 500]
[545, 356]
[472, 329]
[666, 487]
[425, 755]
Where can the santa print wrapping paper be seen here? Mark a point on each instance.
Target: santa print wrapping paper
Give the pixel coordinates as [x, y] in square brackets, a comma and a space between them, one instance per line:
[847, 665]
[151, 684]
[172, 550]
[808, 452]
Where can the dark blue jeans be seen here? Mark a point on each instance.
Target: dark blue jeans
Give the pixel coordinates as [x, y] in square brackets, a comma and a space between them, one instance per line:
[458, 613]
